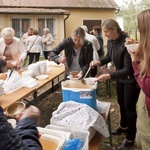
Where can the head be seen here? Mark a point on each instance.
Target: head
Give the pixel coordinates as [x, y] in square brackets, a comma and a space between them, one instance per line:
[85, 28]
[8, 34]
[111, 29]
[143, 20]
[78, 36]
[45, 31]
[35, 32]
[96, 30]
[30, 31]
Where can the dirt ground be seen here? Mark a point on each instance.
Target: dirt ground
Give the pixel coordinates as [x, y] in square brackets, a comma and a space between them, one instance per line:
[51, 102]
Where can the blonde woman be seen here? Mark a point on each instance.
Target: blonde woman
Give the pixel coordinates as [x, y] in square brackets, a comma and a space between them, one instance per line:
[141, 66]
[78, 52]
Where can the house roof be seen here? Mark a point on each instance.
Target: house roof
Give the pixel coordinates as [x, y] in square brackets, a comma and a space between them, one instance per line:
[97, 4]
[33, 11]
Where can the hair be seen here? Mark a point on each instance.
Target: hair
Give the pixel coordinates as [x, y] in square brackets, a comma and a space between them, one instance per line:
[8, 33]
[30, 29]
[111, 25]
[97, 28]
[85, 28]
[46, 29]
[143, 20]
[79, 32]
[35, 32]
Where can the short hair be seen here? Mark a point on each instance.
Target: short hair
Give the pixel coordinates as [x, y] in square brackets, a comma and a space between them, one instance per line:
[97, 28]
[46, 29]
[35, 32]
[85, 28]
[8, 33]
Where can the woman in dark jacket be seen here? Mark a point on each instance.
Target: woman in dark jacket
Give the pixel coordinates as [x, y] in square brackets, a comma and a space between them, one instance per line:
[126, 85]
[78, 52]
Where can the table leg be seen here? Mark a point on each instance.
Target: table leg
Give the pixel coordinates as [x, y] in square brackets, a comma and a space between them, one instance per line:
[35, 98]
[109, 128]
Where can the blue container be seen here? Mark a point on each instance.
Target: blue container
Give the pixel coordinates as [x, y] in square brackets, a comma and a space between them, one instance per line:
[81, 95]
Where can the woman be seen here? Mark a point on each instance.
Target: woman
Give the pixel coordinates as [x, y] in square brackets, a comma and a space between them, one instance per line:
[48, 42]
[77, 50]
[126, 86]
[34, 46]
[96, 32]
[12, 48]
[141, 66]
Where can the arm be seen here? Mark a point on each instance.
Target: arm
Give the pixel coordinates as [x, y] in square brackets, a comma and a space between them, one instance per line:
[9, 138]
[57, 50]
[144, 82]
[51, 40]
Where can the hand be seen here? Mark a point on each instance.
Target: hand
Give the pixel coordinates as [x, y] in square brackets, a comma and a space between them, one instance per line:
[62, 60]
[80, 74]
[11, 64]
[103, 77]
[19, 62]
[30, 112]
[94, 63]
[134, 56]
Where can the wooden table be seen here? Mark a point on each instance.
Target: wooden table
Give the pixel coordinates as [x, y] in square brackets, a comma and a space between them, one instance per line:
[96, 141]
[8, 99]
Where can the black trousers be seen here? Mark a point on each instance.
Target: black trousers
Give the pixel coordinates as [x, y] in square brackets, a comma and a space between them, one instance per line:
[127, 95]
[46, 54]
[33, 56]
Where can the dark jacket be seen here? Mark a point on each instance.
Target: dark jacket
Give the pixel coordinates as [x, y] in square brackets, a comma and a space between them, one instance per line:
[24, 137]
[101, 43]
[2, 64]
[86, 54]
[118, 54]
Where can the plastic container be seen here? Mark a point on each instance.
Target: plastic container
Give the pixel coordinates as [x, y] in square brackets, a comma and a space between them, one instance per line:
[76, 133]
[76, 91]
[51, 139]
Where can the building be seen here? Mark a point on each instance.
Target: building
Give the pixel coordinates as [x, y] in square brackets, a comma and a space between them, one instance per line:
[60, 16]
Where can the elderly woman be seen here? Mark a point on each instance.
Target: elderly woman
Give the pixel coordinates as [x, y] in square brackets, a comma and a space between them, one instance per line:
[48, 41]
[12, 48]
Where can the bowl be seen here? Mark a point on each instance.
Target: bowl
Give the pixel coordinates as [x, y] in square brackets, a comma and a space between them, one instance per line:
[42, 77]
[15, 108]
[132, 47]
[90, 80]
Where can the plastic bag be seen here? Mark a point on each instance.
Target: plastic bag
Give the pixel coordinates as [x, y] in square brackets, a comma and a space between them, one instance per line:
[73, 144]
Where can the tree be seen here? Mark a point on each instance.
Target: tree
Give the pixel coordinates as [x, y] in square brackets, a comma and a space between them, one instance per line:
[129, 12]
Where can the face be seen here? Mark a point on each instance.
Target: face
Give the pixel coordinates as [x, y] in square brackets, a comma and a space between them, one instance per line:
[45, 32]
[30, 32]
[110, 34]
[8, 41]
[77, 41]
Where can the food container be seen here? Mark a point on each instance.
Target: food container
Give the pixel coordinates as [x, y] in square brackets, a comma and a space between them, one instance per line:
[76, 133]
[132, 47]
[76, 91]
[15, 108]
[51, 140]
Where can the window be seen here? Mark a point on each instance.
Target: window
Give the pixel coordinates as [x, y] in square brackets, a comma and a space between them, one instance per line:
[20, 26]
[91, 23]
[46, 23]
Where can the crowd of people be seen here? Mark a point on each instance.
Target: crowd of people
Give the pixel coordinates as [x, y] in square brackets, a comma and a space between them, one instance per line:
[81, 51]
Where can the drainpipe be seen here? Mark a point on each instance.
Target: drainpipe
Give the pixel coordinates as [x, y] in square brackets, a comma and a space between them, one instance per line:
[65, 25]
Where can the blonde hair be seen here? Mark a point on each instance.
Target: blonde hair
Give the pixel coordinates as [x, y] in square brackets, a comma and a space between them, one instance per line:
[143, 20]
[79, 32]
[8, 33]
